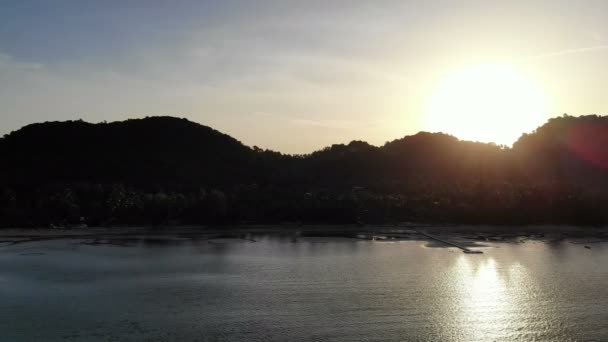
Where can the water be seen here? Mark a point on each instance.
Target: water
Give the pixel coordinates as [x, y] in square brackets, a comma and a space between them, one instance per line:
[313, 290]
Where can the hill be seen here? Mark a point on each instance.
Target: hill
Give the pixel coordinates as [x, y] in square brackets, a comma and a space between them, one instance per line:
[155, 150]
[163, 169]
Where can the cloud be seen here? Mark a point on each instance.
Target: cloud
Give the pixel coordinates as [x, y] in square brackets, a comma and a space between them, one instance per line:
[566, 52]
[306, 120]
[343, 125]
[9, 63]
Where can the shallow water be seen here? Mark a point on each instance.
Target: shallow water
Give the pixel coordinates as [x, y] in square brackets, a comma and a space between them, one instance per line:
[317, 289]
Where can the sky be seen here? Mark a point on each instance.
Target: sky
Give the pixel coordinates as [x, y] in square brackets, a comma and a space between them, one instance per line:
[292, 76]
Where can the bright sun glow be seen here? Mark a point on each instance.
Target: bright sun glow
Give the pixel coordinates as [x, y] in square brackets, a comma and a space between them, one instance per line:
[486, 102]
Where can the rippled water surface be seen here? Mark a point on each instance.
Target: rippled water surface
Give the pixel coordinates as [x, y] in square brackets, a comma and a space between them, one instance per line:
[316, 289]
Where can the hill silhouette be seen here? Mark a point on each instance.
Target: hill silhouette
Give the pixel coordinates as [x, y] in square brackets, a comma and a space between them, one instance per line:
[162, 170]
[155, 150]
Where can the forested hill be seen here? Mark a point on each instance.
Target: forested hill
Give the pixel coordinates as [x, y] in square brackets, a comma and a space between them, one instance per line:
[164, 169]
[156, 150]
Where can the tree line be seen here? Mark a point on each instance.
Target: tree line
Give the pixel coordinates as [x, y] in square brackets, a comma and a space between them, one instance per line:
[165, 170]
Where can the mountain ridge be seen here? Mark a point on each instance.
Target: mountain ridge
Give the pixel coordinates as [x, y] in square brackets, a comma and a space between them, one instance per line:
[59, 170]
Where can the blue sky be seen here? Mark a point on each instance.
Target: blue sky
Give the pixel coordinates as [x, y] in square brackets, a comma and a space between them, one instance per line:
[289, 75]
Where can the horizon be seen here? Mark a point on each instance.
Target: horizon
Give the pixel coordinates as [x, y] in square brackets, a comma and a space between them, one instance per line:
[503, 146]
[316, 74]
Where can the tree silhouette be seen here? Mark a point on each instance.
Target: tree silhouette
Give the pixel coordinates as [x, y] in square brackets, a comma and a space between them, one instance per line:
[165, 170]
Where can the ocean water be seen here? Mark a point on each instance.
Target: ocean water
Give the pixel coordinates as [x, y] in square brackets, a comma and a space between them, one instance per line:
[316, 289]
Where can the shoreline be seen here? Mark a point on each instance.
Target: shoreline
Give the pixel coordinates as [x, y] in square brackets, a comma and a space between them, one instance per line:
[473, 232]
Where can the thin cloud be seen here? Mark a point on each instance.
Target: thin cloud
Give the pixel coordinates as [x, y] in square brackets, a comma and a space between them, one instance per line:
[566, 52]
[323, 123]
[7, 61]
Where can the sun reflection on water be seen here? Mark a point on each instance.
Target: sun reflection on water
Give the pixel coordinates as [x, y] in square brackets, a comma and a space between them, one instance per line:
[489, 300]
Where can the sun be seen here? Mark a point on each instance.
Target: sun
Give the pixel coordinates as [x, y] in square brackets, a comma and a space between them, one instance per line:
[486, 102]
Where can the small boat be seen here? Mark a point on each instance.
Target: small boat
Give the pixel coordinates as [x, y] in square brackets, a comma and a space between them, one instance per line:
[587, 247]
[470, 251]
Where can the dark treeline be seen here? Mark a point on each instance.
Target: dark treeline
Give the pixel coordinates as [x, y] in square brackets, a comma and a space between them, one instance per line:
[164, 170]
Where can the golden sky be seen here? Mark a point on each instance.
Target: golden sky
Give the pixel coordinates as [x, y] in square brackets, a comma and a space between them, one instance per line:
[298, 76]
